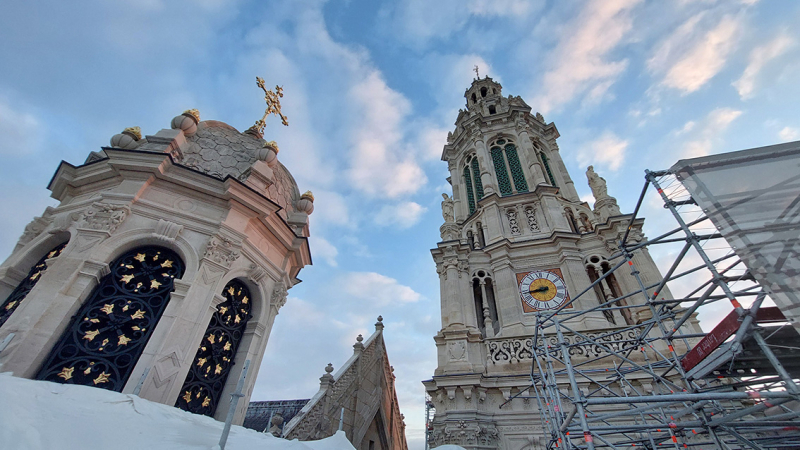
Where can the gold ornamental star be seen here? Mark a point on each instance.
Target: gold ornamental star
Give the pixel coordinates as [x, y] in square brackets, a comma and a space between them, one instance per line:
[66, 373]
[167, 263]
[154, 284]
[206, 402]
[139, 257]
[218, 370]
[102, 378]
[244, 299]
[227, 346]
[108, 308]
[138, 314]
[223, 309]
[201, 361]
[90, 335]
[126, 279]
[230, 290]
[88, 370]
[123, 340]
[187, 396]
[211, 338]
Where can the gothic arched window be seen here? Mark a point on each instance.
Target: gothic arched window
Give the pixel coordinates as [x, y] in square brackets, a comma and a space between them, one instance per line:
[506, 160]
[546, 164]
[102, 344]
[19, 294]
[472, 180]
[206, 379]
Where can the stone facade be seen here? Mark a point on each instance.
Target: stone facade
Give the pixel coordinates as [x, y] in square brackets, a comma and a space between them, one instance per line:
[515, 211]
[218, 198]
[362, 395]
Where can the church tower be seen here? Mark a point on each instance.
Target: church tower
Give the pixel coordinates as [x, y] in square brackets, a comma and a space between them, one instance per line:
[163, 267]
[516, 240]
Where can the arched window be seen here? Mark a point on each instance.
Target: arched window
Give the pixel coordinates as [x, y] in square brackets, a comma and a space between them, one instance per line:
[206, 379]
[472, 180]
[485, 306]
[608, 290]
[108, 334]
[546, 164]
[18, 295]
[506, 160]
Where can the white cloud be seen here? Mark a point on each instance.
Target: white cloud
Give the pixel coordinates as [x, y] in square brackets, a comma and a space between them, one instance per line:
[690, 57]
[404, 214]
[709, 133]
[19, 132]
[377, 167]
[580, 62]
[330, 208]
[608, 150]
[788, 134]
[320, 247]
[759, 57]
[378, 289]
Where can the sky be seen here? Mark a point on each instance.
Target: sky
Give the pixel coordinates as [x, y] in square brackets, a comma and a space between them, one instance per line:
[371, 89]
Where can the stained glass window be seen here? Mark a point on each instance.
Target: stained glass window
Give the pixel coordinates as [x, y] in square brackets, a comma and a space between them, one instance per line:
[500, 169]
[470, 194]
[516, 168]
[206, 379]
[547, 169]
[108, 334]
[476, 174]
[19, 294]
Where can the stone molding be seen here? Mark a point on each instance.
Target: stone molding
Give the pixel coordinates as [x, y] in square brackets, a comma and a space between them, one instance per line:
[516, 350]
[102, 216]
[469, 434]
[222, 250]
[167, 231]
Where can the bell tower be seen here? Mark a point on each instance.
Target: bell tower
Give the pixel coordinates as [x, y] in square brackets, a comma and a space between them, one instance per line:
[517, 240]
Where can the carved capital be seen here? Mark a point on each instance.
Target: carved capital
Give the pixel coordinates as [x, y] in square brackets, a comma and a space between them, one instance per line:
[279, 295]
[167, 231]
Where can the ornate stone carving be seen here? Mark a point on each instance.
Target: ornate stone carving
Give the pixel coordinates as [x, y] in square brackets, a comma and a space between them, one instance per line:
[513, 225]
[35, 227]
[256, 273]
[104, 217]
[597, 184]
[457, 350]
[222, 251]
[279, 295]
[515, 350]
[466, 434]
[533, 224]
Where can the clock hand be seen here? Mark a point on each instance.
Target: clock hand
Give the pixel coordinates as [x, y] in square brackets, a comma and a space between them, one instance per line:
[541, 289]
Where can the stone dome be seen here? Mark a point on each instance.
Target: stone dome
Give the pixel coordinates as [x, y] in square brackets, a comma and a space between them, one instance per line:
[220, 150]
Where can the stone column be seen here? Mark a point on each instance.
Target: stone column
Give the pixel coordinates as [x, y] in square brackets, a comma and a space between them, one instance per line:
[509, 309]
[452, 311]
[529, 160]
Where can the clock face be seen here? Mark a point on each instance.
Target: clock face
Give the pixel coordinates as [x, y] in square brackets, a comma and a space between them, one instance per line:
[542, 290]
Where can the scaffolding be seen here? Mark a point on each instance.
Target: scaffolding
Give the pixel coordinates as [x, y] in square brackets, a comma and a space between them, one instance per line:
[661, 383]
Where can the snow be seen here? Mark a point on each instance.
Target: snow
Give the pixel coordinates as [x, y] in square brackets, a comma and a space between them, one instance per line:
[449, 447]
[40, 415]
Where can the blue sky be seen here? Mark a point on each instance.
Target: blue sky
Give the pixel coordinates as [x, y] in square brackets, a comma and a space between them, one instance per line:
[371, 89]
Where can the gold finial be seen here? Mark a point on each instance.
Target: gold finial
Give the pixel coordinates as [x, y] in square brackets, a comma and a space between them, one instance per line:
[272, 144]
[273, 100]
[308, 195]
[134, 131]
[476, 72]
[194, 113]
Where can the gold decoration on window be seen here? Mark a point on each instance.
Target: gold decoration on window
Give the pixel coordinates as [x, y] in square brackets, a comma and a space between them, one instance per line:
[90, 335]
[11, 305]
[51, 254]
[127, 266]
[108, 308]
[102, 378]
[154, 284]
[230, 290]
[227, 346]
[223, 309]
[206, 402]
[244, 299]
[138, 315]
[211, 338]
[35, 276]
[201, 361]
[94, 320]
[126, 278]
[217, 370]
[66, 373]
[187, 396]
[88, 370]
[237, 319]
[126, 307]
[167, 263]
[139, 257]
[123, 340]
[135, 328]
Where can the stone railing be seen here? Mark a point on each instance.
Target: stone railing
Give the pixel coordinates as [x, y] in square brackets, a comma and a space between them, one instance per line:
[515, 350]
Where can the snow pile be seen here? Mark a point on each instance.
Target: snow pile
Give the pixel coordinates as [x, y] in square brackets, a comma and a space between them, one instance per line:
[40, 415]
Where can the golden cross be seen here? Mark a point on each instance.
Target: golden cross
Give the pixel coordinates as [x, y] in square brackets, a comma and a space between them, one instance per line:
[273, 100]
[476, 72]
